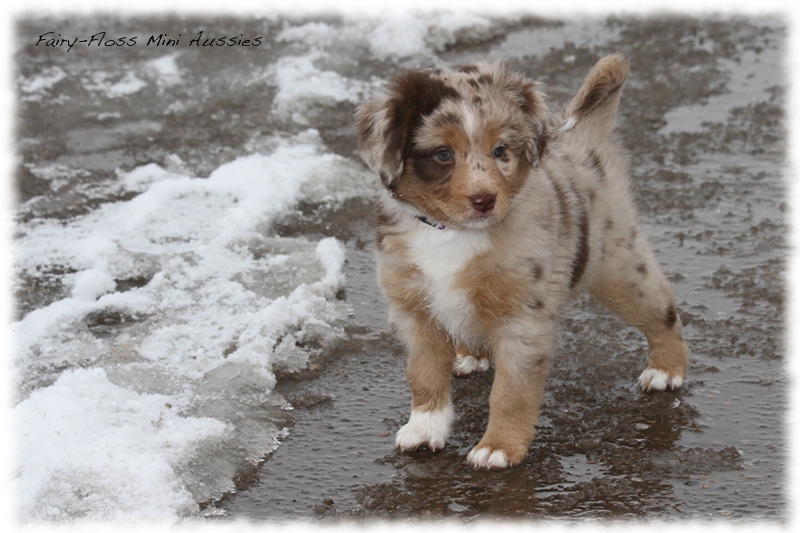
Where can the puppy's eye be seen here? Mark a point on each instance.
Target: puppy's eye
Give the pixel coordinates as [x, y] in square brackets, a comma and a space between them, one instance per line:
[499, 151]
[443, 155]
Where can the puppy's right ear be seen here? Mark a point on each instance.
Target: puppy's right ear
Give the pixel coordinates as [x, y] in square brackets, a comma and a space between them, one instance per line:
[387, 123]
[374, 132]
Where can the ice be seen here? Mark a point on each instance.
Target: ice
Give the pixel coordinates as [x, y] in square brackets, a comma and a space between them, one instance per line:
[167, 385]
[747, 81]
[577, 32]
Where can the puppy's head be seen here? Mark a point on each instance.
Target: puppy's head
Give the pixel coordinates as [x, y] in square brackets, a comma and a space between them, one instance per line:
[457, 146]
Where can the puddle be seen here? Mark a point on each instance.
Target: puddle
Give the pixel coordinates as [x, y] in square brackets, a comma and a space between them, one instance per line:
[750, 76]
[577, 469]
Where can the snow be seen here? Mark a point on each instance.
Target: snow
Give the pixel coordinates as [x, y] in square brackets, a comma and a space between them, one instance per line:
[401, 35]
[38, 86]
[301, 85]
[91, 284]
[224, 305]
[166, 70]
[404, 35]
[104, 82]
[57, 176]
[84, 425]
[143, 389]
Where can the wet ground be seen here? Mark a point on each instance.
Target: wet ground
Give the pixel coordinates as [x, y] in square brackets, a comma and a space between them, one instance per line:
[704, 117]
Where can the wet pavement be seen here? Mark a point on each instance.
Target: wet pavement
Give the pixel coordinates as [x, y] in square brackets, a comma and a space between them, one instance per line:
[703, 115]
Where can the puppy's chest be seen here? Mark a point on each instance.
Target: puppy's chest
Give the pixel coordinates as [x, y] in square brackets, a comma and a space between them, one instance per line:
[443, 257]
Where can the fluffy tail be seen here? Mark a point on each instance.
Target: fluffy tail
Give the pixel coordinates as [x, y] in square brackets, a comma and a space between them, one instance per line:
[595, 106]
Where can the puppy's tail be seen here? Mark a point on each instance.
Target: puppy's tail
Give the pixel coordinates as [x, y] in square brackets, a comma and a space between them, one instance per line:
[594, 108]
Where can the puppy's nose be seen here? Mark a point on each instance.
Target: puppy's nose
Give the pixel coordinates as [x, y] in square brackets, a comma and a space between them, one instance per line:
[483, 202]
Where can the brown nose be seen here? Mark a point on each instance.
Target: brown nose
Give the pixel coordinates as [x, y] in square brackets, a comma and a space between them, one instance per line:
[483, 202]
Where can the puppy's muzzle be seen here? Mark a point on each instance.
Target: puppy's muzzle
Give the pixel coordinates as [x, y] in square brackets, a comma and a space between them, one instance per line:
[483, 202]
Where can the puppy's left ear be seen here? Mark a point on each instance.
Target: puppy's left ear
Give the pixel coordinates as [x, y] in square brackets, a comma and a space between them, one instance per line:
[387, 123]
[536, 121]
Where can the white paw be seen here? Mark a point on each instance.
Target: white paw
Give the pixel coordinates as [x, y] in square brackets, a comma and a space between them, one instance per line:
[467, 364]
[655, 379]
[484, 457]
[429, 428]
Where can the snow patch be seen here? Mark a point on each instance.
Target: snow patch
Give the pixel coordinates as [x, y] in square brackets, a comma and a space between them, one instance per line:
[37, 87]
[94, 449]
[166, 70]
[406, 35]
[182, 296]
[302, 87]
[104, 82]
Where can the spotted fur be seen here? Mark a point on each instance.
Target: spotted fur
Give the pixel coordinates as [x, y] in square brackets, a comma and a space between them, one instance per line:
[493, 212]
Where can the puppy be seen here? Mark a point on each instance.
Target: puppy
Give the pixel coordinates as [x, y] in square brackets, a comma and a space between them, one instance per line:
[493, 212]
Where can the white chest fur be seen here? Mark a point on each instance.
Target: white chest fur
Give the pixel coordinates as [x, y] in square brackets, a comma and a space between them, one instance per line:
[442, 255]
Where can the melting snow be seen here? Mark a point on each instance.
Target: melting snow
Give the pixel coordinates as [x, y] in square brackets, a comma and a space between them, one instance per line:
[181, 365]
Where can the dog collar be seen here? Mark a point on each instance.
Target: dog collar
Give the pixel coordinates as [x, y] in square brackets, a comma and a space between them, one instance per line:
[431, 223]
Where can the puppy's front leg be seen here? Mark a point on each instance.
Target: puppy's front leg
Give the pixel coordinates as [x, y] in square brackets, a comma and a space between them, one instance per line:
[430, 361]
[521, 352]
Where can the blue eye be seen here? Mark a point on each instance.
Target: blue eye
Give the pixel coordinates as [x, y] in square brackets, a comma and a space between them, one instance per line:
[499, 151]
[443, 155]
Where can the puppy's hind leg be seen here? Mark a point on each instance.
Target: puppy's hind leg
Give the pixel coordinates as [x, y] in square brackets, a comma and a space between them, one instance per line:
[428, 367]
[634, 287]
